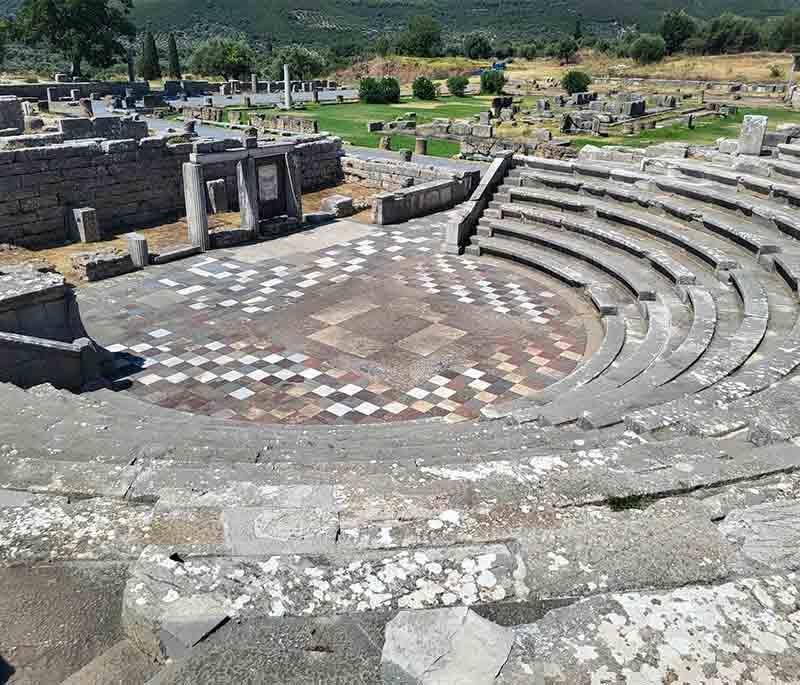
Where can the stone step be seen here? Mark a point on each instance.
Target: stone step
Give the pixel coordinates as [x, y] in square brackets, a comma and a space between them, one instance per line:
[751, 379]
[607, 635]
[525, 411]
[642, 284]
[609, 408]
[569, 407]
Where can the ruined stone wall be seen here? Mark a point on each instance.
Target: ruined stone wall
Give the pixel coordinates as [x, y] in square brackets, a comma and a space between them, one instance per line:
[11, 116]
[320, 163]
[284, 122]
[130, 183]
[38, 91]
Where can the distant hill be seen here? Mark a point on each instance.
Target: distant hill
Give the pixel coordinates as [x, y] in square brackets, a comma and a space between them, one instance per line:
[319, 22]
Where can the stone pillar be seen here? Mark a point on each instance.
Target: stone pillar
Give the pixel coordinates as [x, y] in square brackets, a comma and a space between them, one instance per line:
[217, 196]
[385, 143]
[287, 88]
[137, 248]
[86, 107]
[131, 70]
[246, 101]
[254, 83]
[315, 95]
[421, 146]
[194, 193]
[248, 193]
[792, 76]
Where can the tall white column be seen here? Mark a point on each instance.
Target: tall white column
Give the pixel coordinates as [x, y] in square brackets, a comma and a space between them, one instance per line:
[287, 88]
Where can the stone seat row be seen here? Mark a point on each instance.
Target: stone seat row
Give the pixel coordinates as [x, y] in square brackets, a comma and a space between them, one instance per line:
[532, 206]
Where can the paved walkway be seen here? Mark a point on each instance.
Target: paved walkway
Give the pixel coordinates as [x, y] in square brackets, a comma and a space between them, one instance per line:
[349, 323]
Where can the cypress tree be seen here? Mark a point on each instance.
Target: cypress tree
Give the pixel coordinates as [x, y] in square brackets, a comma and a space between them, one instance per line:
[151, 69]
[174, 60]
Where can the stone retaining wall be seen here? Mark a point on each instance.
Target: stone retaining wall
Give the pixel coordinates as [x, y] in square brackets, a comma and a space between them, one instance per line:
[42, 339]
[390, 174]
[419, 200]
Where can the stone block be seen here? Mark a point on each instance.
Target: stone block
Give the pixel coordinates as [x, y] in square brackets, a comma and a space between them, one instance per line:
[338, 205]
[217, 196]
[444, 646]
[752, 133]
[84, 225]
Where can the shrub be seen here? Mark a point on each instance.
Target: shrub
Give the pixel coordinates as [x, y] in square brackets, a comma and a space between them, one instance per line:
[391, 89]
[492, 82]
[457, 85]
[423, 88]
[529, 51]
[379, 92]
[647, 49]
[575, 82]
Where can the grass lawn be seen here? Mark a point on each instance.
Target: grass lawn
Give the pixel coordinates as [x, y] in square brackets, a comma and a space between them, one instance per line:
[349, 121]
[705, 131]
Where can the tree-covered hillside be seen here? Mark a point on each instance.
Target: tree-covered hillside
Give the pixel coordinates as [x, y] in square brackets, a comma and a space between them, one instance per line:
[321, 22]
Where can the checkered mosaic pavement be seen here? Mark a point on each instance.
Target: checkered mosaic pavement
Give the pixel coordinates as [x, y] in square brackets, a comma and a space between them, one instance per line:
[322, 342]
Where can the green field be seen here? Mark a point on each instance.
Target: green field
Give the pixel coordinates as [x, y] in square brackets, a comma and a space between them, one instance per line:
[705, 131]
[349, 121]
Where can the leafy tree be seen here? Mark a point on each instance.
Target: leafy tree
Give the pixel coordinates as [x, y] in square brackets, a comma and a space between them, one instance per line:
[423, 88]
[730, 33]
[149, 67]
[223, 57]
[504, 49]
[304, 63]
[529, 51]
[382, 46]
[603, 45]
[422, 38]
[379, 92]
[566, 49]
[173, 59]
[648, 48]
[477, 46]
[696, 45]
[80, 30]
[676, 28]
[784, 33]
[575, 82]
[492, 82]
[457, 85]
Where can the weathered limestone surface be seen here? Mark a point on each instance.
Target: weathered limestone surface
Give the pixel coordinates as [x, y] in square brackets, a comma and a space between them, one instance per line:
[744, 631]
[444, 646]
